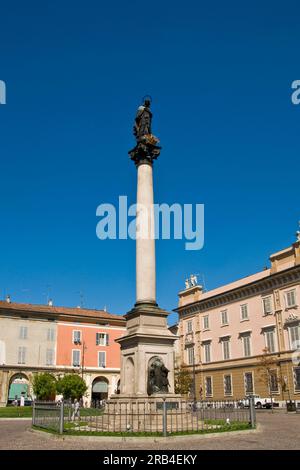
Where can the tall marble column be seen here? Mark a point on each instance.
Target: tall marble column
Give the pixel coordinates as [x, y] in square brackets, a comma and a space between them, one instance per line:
[147, 340]
[145, 241]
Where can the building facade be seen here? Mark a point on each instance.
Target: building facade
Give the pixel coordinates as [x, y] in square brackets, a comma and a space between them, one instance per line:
[60, 340]
[244, 338]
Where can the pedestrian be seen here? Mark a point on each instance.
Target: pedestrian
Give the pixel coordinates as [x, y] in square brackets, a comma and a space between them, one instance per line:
[76, 410]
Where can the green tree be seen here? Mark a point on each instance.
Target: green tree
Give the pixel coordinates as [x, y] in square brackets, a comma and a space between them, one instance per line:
[183, 381]
[71, 386]
[268, 373]
[44, 386]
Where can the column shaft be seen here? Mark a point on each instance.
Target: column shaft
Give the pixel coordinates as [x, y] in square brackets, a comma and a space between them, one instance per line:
[145, 241]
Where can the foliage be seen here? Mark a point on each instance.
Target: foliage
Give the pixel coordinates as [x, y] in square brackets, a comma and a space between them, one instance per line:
[267, 366]
[183, 381]
[71, 386]
[44, 386]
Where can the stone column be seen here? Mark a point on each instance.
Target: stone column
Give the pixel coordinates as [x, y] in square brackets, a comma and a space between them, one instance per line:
[145, 240]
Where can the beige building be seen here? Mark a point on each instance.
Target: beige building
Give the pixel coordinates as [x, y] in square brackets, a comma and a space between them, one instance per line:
[60, 340]
[244, 337]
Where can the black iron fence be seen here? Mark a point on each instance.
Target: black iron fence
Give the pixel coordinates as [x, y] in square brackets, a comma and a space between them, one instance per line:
[156, 417]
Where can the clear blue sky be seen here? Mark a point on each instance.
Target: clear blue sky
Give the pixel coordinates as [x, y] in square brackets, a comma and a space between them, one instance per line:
[220, 76]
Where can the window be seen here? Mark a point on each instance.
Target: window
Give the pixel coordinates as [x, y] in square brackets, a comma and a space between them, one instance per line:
[101, 359]
[267, 305]
[297, 379]
[49, 357]
[273, 382]
[270, 339]
[76, 337]
[23, 332]
[50, 334]
[226, 348]
[189, 326]
[246, 345]
[227, 385]
[76, 357]
[190, 355]
[206, 322]
[102, 339]
[290, 298]
[224, 317]
[249, 389]
[208, 387]
[207, 354]
[22, 355]
[244, 312]
[294, 336]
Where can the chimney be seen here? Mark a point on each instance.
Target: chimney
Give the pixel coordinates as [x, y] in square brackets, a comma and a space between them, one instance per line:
[50, 303]
[8, 299]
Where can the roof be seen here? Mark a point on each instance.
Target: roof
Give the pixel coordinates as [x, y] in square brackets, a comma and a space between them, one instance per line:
[236, 284]
[82, 312]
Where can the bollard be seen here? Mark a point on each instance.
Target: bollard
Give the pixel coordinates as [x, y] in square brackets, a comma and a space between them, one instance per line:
[61, 418]
[164, 417]
[33, 413]
[252, 412]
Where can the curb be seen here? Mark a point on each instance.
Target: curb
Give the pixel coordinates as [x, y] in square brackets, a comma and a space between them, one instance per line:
[15, 419]
[149, 439]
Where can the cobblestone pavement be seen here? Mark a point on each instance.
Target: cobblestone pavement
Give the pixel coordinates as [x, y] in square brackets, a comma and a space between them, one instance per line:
[275, 431]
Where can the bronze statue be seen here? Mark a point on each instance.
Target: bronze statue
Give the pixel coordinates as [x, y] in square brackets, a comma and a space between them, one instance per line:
[143, 119]
[146, 143]
[157, 377]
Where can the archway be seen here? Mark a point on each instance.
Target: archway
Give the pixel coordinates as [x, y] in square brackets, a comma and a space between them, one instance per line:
[99, 391]
[18, 386]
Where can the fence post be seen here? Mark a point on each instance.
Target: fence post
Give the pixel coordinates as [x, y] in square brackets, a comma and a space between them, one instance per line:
[164, 417]
[33, 413]
[252, 412]
[61, 418]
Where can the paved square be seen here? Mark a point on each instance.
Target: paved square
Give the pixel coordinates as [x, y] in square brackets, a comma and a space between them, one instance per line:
[275, 431]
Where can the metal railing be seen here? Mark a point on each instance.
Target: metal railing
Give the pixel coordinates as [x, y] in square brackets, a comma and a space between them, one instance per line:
[48, 415]
[153, 417]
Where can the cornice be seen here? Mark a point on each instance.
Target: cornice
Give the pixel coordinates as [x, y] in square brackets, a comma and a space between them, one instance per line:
[277, 280]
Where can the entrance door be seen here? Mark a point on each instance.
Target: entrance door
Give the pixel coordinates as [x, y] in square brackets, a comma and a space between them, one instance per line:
[99, 391]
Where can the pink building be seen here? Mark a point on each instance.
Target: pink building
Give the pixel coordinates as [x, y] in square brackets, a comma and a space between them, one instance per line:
[88, 346]
[232, 335]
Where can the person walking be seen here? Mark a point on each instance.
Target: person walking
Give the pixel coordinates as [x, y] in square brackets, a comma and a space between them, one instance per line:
[76, 410]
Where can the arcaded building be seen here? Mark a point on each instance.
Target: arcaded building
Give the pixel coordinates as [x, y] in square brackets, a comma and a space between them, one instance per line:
[60, 340]
[232, 335]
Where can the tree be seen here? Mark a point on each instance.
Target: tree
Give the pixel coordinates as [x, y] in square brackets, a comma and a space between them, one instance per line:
[71, 386]
[44, 386]
[268, 373]
[183, 381]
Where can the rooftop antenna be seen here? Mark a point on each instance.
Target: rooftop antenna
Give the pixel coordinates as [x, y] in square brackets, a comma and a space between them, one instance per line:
[47, 293]
[203, 281]
[81, 298]
[26, 290]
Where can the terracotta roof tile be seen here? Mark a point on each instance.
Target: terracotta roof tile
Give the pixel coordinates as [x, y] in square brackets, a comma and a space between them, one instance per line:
[83, 312]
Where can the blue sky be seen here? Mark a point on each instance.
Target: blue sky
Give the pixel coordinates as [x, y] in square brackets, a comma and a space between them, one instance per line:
[220, 76]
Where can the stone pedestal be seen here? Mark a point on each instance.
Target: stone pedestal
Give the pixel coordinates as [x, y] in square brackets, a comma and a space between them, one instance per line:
[147, 336]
